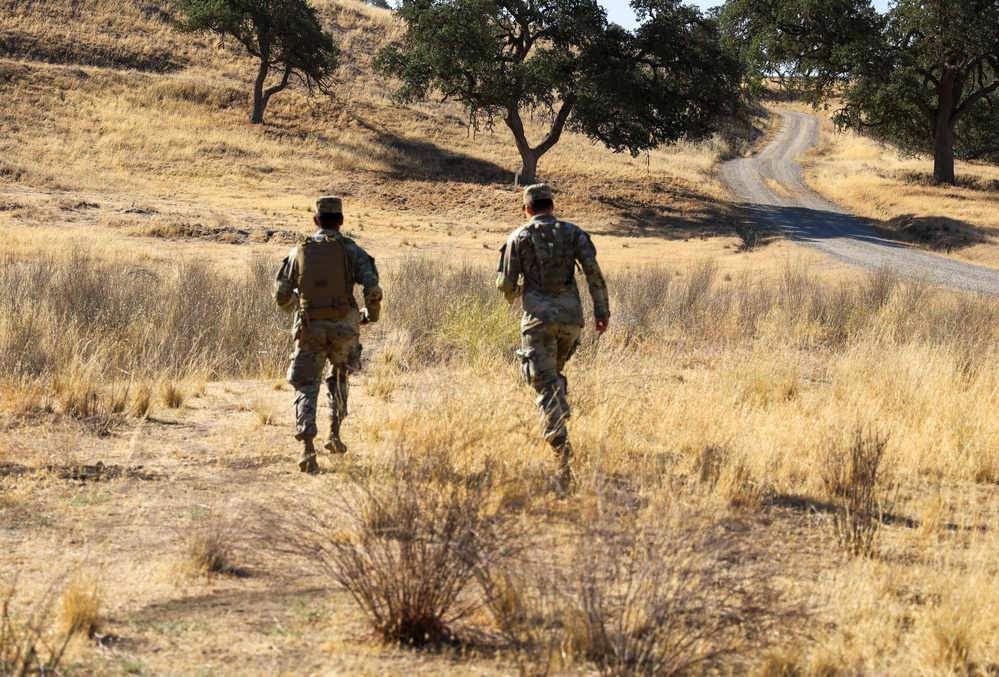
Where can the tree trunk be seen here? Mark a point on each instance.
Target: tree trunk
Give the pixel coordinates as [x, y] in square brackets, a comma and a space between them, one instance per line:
[529, 156]
[528, 166]
[943, 152]
[943, 132]
[259, 100]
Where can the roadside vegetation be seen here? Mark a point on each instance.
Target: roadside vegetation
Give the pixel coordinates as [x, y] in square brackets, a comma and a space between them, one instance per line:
[897, 195]
[784, 467]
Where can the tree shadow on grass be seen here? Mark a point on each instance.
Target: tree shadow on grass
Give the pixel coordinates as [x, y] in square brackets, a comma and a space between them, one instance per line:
[418, 159]
[644, 218]
[425, 161]
[936, 233]
[92, 52]
[812, 505]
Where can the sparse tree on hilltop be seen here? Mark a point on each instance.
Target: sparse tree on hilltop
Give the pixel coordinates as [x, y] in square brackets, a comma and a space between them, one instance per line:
[561, 59]
[284, 35]
[924, 77]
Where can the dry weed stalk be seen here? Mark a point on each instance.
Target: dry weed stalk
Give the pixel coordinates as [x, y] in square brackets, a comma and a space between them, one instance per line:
[27, 647]
[859, 478]
[632, 599]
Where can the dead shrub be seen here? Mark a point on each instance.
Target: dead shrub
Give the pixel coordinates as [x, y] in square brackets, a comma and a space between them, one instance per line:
[28, 646]
[656, 601]
[100, 410]
[211, 547]
[407, 548]
[858, 478]
[531, 602]
[632, 599]
[642, 299]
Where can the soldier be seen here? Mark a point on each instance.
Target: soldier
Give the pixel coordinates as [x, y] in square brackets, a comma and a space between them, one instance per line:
[538, 264]
[316, 281]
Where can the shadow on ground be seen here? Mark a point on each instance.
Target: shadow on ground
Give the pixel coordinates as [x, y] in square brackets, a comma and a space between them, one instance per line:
[425, 161]
[645, 218]
[99, 52]
[936, 233]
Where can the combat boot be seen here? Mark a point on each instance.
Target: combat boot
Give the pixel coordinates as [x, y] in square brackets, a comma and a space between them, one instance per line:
[564, 477]
[308, 463]
[334, 444]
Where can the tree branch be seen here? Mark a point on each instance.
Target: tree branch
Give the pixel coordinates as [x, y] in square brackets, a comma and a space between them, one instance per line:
[962, 110]
[270, 91]
[979, 152]
[558, 124]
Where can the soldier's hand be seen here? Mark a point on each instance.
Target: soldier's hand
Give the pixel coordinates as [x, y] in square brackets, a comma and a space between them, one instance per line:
[364, 317]
[601, 325]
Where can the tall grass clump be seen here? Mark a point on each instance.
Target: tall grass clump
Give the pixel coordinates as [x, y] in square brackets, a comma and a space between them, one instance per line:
[211, 546]
[858, 477]
[108, 322]
[80, 604]
[449, 310]
[657, 305]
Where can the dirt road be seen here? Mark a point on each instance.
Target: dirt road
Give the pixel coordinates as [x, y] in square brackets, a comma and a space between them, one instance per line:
[773, 193]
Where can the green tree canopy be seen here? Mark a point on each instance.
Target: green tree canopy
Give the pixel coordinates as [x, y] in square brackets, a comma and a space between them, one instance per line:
[923, 77]
[561, 59]
[284, 35]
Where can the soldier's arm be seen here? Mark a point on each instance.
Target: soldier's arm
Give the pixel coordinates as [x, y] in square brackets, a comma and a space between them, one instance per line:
[366, 275]
[508, 273]
[586, 254]
[285, 283]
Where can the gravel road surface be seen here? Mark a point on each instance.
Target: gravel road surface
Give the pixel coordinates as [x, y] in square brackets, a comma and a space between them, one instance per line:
[773, 194]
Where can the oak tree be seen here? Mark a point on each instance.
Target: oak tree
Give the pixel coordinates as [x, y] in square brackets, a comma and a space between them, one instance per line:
[923, 77]
[285, 37]
[561, 61]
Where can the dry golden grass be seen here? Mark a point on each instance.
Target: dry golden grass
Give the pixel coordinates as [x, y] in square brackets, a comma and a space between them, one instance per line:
[80, 603]
[718, 400]
[143, 219]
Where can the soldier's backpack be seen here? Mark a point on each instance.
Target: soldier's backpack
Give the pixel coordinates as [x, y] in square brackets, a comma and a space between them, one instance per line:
[554, 256]
[325, 279]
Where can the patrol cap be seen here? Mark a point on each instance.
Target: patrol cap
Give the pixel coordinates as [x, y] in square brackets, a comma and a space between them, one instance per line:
[539, 191]
[329, 204]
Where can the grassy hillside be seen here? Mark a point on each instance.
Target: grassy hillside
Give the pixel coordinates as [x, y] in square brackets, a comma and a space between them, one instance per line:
[786, 467]
[173, 135]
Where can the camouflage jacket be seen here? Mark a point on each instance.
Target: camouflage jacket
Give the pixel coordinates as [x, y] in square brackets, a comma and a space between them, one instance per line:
[520, 273]
[365, 274]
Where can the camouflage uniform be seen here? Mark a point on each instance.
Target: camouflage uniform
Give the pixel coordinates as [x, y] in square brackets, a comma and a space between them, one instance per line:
[319, 341]
[542, 249]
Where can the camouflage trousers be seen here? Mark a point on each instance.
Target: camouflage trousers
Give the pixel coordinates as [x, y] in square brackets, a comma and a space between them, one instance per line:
[322, 342]
[546, 348]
